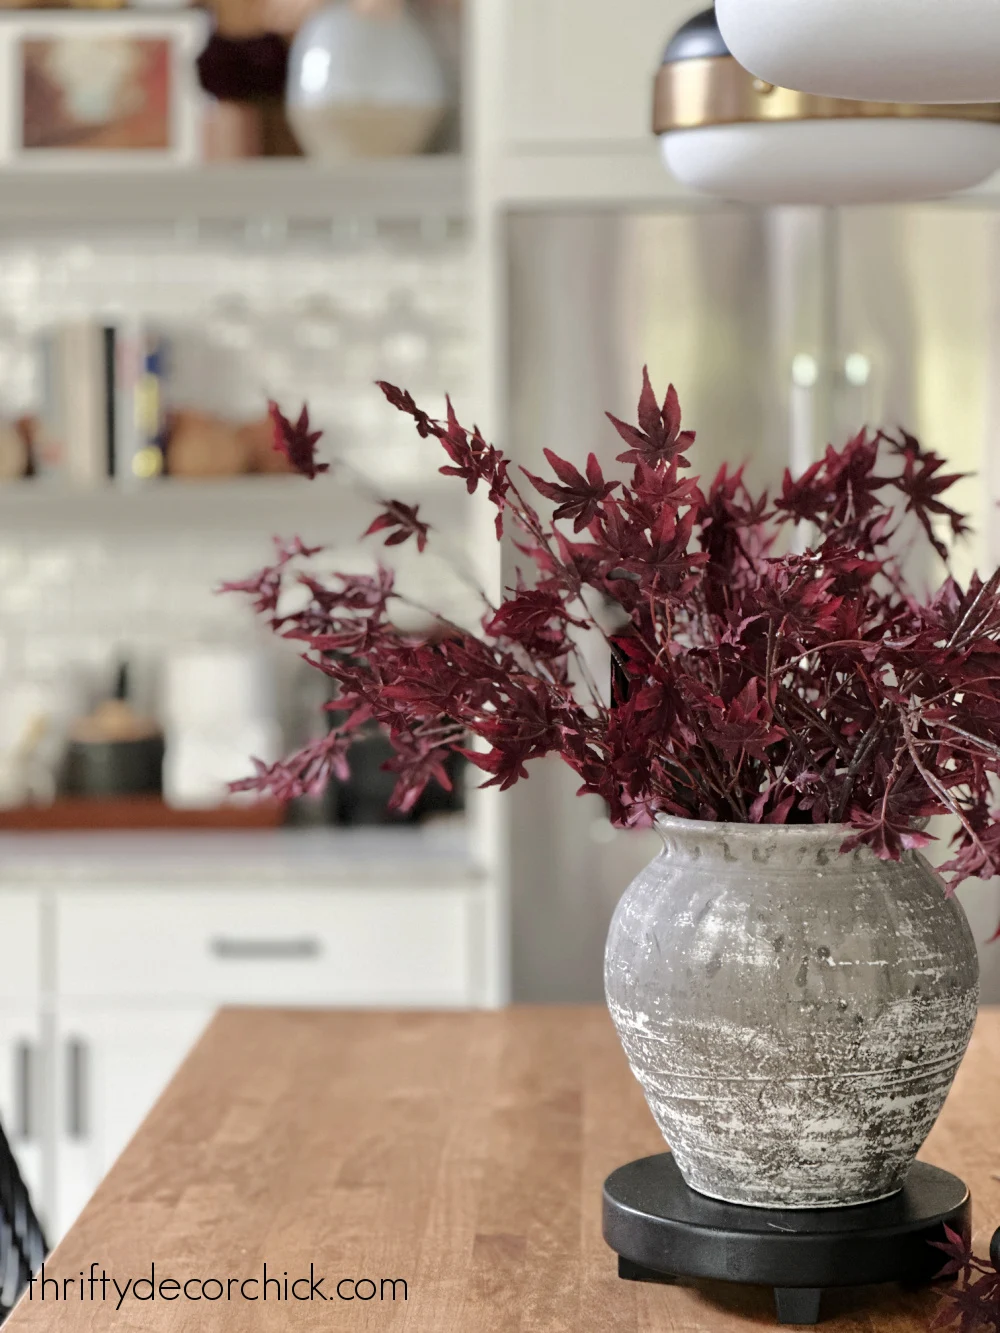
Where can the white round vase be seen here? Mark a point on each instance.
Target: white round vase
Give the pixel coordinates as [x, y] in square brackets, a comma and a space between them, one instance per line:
[364, 84]
[794, 1014]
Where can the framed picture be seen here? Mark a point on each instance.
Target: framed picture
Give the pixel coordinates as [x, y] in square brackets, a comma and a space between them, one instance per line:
[107, 89]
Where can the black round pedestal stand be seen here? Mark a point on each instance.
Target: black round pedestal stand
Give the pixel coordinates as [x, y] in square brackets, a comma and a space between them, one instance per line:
[662, 1230]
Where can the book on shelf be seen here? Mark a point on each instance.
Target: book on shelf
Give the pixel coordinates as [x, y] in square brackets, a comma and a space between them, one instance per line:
[104, 403]
[72, 439]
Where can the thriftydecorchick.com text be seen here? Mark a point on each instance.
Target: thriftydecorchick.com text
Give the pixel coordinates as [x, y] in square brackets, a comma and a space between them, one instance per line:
[96, 1284]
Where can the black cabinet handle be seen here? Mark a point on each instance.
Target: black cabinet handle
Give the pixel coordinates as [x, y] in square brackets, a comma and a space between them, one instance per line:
[24, 1089]
[76, 1087]
[272, 950]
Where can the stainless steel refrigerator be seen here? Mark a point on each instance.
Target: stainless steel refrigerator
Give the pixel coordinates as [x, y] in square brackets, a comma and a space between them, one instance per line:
[782, 329]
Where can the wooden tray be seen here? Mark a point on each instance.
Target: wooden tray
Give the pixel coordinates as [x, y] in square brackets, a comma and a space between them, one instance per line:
[73, 814]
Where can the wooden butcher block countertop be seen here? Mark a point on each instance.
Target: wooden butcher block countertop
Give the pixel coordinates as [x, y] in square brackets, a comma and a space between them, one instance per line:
[462, 1153]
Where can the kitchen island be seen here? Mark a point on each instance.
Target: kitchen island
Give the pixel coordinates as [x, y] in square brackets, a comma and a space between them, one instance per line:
[440, 1173]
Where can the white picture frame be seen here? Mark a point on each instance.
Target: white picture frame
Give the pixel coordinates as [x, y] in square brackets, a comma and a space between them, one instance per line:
[25, 33]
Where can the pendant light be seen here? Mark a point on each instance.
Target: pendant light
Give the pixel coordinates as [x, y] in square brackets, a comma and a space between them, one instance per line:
[887, 50]
[727, 133]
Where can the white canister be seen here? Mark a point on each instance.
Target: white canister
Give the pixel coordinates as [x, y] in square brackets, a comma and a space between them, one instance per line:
[217, 687]
[219, 713]
[198, 767]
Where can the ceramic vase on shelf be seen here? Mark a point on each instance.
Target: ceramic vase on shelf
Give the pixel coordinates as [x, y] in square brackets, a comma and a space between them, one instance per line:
[245, 77]
[794, 1014]
[364, 80]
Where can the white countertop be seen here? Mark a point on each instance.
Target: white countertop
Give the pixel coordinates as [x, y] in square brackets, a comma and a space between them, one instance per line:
[433, 854]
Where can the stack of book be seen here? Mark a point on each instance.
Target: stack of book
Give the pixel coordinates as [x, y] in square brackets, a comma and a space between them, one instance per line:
[104, 403]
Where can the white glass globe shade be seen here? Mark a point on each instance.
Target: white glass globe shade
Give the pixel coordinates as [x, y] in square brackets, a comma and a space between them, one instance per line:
[871, 50]
[861, 161]
[363, 85]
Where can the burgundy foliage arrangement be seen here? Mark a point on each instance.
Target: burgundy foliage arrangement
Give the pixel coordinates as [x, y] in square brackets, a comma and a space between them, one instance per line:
[755, 681]
[974, 1304]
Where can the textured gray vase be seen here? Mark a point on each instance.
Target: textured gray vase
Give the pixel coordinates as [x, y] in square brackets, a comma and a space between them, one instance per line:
[795, 1015]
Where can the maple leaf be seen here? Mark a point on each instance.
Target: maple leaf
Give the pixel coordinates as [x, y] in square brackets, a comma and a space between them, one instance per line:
[958, 1250]
[463, 451]
[403, 522]
[747, 725]
[266, 585]
[922, 486]
[973, 1306]
[505, 762]
[659, 438]
[884, 830]
[296, 441]
[579, 497]
[416, 766]
[978, 857]
[535, 618]
[306, 773]
[807, 497]
[656, 488]
[403, 402]
[779, 810]
[850, 473]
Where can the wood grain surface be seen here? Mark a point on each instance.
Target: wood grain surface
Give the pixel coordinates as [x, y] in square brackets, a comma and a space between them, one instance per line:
[463, 1153]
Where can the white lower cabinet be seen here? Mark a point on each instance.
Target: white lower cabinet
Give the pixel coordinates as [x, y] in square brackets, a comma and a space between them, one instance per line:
[23, 1049]
[370, 945]
[111, 1064]
[109, 987]
[23, 1102]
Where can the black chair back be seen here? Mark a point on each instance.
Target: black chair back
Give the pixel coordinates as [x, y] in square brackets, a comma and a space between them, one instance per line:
[22, 1241]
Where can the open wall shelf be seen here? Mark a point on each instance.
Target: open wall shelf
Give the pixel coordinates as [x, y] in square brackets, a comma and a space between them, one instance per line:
[430, 186]
[322, 510]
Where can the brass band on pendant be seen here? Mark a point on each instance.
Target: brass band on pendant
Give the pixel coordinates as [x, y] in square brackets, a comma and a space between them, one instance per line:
[716, 90]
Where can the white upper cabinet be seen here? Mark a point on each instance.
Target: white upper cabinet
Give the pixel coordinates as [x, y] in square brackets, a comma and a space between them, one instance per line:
[581, 71]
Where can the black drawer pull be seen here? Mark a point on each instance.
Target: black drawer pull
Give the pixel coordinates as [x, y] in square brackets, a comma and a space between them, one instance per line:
[24, 1095]
[249, 950]
[77, 1088]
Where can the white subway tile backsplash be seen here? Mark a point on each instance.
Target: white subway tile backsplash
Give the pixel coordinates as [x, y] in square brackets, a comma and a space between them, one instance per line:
[316, 316]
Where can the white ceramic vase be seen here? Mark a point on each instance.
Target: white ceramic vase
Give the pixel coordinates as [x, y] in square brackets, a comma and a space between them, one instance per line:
[795, 1015]
[364, 83]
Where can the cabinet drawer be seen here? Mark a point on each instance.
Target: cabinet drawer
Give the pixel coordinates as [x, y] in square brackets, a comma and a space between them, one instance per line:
[366, 946]
[20, 942]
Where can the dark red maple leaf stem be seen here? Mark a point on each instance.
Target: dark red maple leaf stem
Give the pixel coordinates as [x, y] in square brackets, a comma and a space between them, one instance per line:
[979, 603]
[860, 756]
[525, 516]
[750, 684]
[943, 794]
